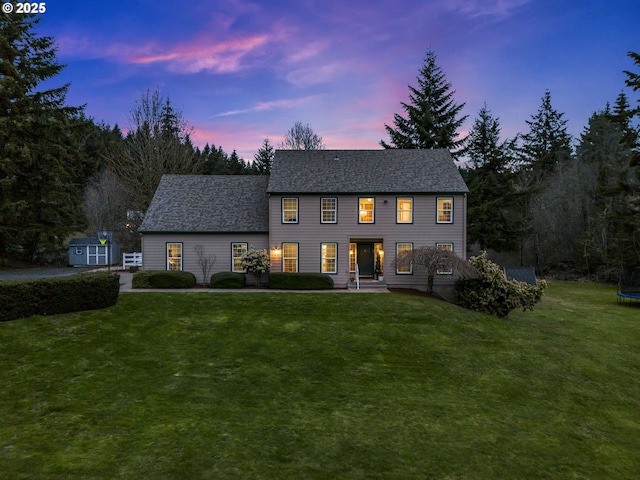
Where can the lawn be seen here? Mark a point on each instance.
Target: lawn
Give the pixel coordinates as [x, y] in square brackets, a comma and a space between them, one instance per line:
[323, 386]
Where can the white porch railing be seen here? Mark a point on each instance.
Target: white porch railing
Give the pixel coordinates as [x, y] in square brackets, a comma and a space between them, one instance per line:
[357, 277]
[132, 259]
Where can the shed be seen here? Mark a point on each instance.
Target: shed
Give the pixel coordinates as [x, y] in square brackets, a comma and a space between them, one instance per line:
[89, 252]
[521, 274]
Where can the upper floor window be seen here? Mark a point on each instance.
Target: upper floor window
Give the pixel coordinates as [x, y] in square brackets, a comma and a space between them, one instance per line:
[174, 256]
[237, 251]
[445, 210]
[404, 207]
[329, 210]
[329, 252]
[289, 210]
[367, 210]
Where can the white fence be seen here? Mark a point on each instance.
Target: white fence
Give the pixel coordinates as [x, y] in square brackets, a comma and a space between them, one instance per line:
[132, 259]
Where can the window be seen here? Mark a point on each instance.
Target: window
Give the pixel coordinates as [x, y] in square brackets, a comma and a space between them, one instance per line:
[444, 267]
[367, 210]
[289, 210]
[329, 213]
[404, 208]
[237, 251]
[445, 210]
[404, 265]
[290, 257]
[78, 250]
[174, 256]
[353, 254]
[329, 252]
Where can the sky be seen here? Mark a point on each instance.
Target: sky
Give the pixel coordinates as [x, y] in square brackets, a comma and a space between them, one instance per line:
[241, 71]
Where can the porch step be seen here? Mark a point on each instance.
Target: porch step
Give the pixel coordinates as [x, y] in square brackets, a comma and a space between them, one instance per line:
[367, 285]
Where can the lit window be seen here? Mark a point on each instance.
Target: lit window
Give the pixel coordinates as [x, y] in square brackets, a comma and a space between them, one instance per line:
[367, 210]
[405, 210]
[444, 265]
[404, 265]
[329, 253]
[174, 256]
[329, 210]
[237, 251]
[289, 210]
[289, 257]
[445, 210]
[353, 254]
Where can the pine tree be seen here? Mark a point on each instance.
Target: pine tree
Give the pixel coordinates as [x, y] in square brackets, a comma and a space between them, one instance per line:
[547, 144]
[40, 199]
[431, 117]
[492, 220]
[263, 160]
[633, 79]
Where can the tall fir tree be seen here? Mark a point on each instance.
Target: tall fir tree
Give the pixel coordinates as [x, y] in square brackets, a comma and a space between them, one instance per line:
[492, 218]
[263, 159]
[40, 199]
[633, 79]
[547, 143]
[432, 116]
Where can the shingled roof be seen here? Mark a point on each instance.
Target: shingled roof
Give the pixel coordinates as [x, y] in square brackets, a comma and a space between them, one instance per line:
[365, 171]
[209, 203]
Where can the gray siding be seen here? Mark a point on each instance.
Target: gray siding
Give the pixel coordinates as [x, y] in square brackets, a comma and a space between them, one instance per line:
[309, 232]
[154, 250]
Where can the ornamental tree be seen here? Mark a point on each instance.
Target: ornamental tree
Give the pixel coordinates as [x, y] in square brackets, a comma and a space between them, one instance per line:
[256, 262]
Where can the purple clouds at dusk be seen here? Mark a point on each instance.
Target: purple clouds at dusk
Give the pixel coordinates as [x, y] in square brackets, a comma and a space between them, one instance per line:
[242, 71]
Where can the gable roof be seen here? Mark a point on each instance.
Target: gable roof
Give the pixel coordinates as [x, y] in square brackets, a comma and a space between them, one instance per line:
[365, 171]
[209, 203]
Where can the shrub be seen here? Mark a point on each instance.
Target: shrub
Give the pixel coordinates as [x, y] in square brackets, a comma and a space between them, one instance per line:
[300, 281]
[227, 280]
[492, 293]
[51, 296]
[163, 279]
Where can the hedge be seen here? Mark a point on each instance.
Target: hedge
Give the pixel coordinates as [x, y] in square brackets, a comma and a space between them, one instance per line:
[300, 281]
[51, 296]
[227, 280]
[163, 279]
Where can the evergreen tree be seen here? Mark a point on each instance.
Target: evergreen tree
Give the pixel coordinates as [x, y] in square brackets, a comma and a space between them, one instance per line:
[431, 117]
[263, 160]
[547, 144]
[40, 155]
[612, 233]
[633, 79]
[492, 218]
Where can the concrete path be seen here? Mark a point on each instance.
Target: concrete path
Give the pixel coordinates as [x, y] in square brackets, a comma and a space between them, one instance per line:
[126, 278]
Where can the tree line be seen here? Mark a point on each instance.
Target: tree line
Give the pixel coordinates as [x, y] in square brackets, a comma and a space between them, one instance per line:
[541, 198]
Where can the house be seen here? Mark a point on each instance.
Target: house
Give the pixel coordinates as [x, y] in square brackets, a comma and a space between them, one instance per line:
[91, 252]
[331, 211]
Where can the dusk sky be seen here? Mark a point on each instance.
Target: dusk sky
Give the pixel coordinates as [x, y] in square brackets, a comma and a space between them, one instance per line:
[241, 71]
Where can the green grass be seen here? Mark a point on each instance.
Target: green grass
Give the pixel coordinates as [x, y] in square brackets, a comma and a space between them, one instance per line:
[323, 386]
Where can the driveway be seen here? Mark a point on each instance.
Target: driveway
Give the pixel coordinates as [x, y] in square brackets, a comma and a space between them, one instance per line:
[39, 272]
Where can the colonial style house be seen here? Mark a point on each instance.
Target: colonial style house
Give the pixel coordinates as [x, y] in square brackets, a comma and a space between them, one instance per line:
[338, 212]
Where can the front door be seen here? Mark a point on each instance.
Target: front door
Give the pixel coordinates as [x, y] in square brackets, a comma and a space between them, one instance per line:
[365, 259]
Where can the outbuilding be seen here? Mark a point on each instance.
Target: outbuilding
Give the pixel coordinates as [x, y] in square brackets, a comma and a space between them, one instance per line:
[89, 252]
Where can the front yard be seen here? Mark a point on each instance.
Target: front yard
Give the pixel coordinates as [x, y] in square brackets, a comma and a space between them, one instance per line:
[298, 385]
